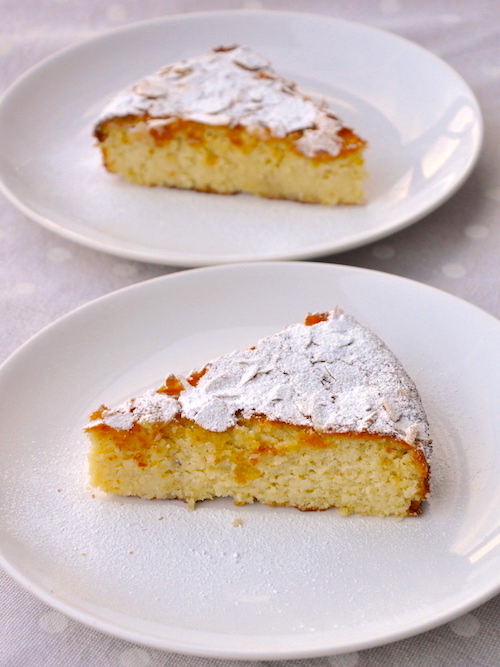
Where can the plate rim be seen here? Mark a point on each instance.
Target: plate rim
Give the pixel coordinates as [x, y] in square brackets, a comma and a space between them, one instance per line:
[196, 648]
[188, 260]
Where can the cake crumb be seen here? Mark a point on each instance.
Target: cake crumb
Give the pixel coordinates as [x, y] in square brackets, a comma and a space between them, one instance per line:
[237, 523]
[160, 518]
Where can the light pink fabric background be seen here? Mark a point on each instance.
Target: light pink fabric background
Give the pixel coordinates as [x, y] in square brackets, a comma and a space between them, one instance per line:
[456, 249]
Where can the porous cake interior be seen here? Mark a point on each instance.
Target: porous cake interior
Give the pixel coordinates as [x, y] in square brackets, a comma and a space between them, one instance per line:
[274, 463]
[192, 155]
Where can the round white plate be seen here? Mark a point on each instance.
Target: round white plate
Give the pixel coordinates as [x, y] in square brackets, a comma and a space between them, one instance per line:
[284, 584]
[422, 122]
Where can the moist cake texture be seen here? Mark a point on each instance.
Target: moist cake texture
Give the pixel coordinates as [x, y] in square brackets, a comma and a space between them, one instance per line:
[319, 415]
[226, 122]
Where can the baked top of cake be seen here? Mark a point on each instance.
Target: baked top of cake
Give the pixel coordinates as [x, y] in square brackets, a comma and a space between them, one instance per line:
[233, 86]
[330, 374]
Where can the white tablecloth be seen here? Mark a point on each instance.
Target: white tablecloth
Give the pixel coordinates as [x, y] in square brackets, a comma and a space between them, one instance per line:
[43, 276]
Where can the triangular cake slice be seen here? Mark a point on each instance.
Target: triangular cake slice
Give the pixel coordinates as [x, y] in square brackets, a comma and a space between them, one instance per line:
[226, 122]
[321, 414]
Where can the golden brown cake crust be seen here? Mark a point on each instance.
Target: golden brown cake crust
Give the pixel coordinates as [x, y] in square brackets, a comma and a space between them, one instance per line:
[349, 142]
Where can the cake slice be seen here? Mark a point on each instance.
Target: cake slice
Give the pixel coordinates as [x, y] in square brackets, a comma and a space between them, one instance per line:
[319, 415]
[226, 122]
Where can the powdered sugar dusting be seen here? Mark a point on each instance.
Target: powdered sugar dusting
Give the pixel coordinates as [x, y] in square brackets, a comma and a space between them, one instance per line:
[149, 408]
[230, 86]
[333, 376]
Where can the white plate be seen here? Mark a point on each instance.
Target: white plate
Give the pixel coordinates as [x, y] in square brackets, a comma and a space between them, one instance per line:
[422, 122]
[285, 584]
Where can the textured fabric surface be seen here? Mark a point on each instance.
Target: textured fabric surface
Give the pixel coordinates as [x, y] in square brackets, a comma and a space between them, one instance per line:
[455, 248]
